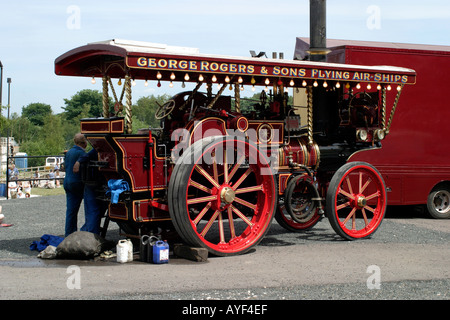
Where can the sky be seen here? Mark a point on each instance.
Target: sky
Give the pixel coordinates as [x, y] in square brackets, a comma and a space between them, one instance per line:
[33, 33]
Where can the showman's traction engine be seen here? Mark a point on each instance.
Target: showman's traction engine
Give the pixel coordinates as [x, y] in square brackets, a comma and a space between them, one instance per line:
[220, 167]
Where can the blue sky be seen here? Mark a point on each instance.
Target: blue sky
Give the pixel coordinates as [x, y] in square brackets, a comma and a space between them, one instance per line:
[33, 33]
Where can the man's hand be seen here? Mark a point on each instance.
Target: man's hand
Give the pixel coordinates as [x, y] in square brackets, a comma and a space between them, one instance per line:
[76, 167]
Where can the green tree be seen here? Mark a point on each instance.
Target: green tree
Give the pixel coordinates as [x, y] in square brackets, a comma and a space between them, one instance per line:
[71, 127]
[34, 148]
[52, 136]
[23, 129]
[37, 112]
[3, 126]
[49, 140]
[145, 108]
[138, 124]
[91, 99]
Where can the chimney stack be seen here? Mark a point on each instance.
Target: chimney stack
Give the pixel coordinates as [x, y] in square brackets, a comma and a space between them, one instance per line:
[318, 30]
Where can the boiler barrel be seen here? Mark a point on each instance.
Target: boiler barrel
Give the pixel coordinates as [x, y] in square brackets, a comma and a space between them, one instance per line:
[300, 152]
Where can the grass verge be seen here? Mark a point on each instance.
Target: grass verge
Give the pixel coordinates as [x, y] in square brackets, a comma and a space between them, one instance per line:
[47, 192]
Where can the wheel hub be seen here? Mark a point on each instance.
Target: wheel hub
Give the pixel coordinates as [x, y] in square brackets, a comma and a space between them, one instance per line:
[441, 201]
[227, 195]
[361, 201]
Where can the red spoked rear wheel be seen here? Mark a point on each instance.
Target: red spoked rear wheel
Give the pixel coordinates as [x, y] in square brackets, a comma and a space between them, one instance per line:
[356, 200]
[222, 195]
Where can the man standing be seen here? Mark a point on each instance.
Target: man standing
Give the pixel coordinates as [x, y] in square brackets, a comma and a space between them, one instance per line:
[73, 185]
[92, 207]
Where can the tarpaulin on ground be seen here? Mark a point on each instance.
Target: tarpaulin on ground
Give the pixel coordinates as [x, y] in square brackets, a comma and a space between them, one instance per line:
[46, 240]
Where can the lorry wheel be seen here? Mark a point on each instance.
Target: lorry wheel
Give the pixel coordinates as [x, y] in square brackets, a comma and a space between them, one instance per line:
[356, 200]
[438, 203]
[222, 195]
[298, 212]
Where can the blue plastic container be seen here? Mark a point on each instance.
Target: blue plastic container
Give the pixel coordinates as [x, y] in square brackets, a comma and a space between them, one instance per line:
[161, 252]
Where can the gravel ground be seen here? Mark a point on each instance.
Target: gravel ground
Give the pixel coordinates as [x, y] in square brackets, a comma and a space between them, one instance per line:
[34, 217]
[31, 218]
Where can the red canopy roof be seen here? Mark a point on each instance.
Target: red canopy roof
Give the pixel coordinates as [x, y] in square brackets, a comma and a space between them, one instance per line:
[149, 61]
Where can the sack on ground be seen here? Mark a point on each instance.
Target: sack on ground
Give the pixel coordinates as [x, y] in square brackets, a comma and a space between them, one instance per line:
[82, 245]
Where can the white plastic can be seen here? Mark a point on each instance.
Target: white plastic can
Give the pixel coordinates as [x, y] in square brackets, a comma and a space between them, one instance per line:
[122, 250]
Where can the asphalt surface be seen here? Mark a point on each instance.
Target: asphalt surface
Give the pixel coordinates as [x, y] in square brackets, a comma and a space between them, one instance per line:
[410, 250]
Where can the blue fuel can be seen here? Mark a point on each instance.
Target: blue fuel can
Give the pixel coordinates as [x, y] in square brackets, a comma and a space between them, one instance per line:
[161, 252]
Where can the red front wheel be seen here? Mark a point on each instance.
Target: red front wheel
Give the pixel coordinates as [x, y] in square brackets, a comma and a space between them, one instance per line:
[222, 195]
[299, 211]
[356, 200]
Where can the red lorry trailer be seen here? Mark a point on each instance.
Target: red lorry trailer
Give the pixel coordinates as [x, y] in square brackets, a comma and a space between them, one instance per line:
[414, 158]
[215, 172]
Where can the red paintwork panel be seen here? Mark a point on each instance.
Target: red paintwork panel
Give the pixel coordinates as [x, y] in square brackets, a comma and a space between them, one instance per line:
[282, 182]
[117, 126]
[133, 150]
[118, 211]
[95, 127]
[145, 210]
[102, 126]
